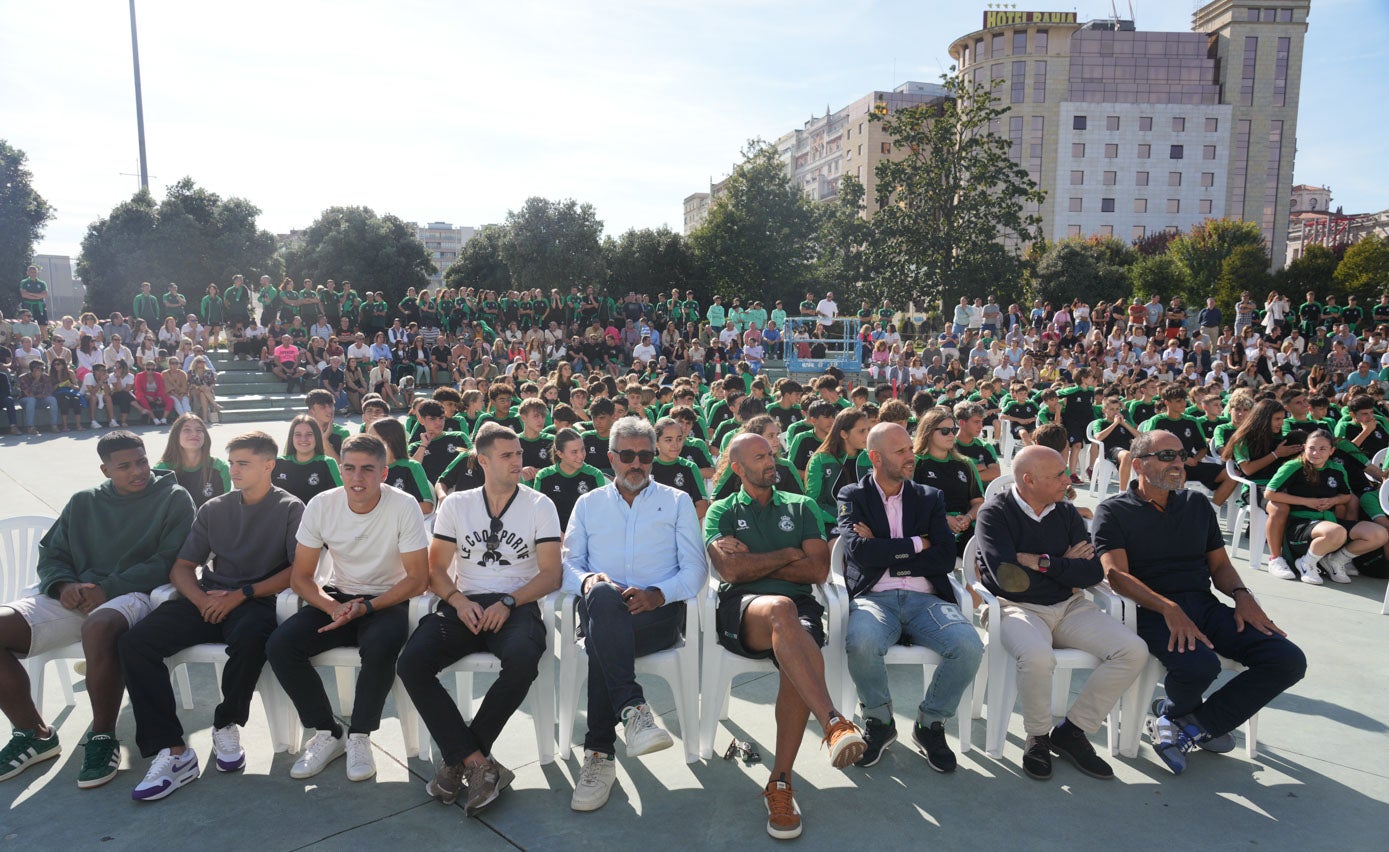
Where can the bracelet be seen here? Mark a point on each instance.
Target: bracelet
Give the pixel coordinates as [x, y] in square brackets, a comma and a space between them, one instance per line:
[450, 595]
[1237, 589]
[367, 603]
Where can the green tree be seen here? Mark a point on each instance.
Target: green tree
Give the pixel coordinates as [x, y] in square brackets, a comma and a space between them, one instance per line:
[844, 262]
[953, 207]
[1202, 252]
[1090, 269]
[652, 261]
[1156, 274]
[193, 238]
[1246, 268]
[1313, 270]
[479, 264]
[380, 253]
[554, 245]
[760, 234]
[1364, 271]
[23, 213]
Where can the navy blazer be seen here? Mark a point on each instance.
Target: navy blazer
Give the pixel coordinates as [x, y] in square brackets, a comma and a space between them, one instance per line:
[923, 513]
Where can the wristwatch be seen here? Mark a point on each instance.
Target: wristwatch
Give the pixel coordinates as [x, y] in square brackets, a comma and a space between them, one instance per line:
[249, 591]
[1043, 563]
[508, 601]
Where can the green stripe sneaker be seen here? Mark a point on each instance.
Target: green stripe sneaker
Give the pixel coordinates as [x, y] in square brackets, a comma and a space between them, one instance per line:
[24, 750]
[102, 759]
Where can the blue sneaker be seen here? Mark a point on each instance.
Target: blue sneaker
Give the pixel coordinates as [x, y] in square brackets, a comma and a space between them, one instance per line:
[1223, 744]
[167, 773]
[1172, 739]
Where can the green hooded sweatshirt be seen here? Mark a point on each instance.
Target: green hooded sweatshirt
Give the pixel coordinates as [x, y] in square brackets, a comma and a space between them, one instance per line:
[122, 543]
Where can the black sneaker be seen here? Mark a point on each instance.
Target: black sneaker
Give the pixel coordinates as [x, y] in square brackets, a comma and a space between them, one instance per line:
[1070, 742]
[930, 741]
[1036, 757]
[877, 736]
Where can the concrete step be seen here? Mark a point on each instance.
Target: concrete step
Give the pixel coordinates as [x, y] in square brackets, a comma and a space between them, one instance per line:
[243, 378]
[257, 415]
[278, 401]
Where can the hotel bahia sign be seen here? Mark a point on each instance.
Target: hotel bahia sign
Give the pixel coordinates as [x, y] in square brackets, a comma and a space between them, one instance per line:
[1008, 19]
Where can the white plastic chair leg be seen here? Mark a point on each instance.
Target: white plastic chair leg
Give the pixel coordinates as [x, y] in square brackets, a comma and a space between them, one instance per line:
[185, 687]
[347, 689]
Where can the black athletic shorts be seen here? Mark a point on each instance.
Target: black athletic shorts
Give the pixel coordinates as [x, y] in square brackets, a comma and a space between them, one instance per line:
[1206, 473]
[733, 606]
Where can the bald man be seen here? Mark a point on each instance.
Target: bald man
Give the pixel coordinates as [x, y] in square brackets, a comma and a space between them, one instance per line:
[769, 549]
[1036, 557]
[898, 557]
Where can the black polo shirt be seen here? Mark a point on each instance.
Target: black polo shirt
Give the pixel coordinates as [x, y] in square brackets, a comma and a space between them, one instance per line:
[1166, 549]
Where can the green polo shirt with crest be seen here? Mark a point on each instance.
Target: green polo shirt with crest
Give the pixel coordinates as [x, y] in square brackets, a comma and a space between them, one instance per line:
[786, 521]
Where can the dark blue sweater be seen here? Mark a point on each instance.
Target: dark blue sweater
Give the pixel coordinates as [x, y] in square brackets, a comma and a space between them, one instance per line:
[1004, 530]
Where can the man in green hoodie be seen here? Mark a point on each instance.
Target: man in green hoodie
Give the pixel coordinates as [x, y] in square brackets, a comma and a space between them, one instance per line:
[108, 549]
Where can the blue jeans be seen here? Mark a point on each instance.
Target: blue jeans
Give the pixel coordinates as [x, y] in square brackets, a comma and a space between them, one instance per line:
[879, 620]
[1274, 664]
[49, 402]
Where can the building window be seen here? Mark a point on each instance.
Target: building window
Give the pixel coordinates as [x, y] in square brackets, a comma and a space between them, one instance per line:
[1253, 15]
[1140, 205]
[1111, 122]
[1208, 178]
[1072, 230]
[1106, 230]
[860, 150]
[1019, 81]
[1078, 122]
[1019, 42]
[1208, 152]
[1039, 82]
[1145, 123]
[1174, 205]
[1106, 205]
[1205, 205]
[1175, 153]
[1285, 16]
[1015, 125]
[1178, 124]
[1174, 178]
[1039, 42]
[979, 51]
[1251, 58]
[1077, 178]
[1077, 205]
[997, 49]
[1212, 125]
[1111, 178]
[1077, 149]
[1140, 179]
[1280, 72]
[1139, 232]
[1111, 151]
[886, 148]
[1269, 15]
[1145, 151]
[995, 73]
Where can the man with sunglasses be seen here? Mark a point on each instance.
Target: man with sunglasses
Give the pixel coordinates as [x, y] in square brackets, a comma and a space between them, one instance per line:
[632, 555]
[495, 553]
[1186, 429]
[1161, 546]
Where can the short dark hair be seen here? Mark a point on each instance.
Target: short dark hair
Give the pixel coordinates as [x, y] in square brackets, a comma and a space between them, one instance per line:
[821, 408]
[113, 442]
[258, 443]
[379, 404]
[447, 394]
[490, 433]
[429, 408]
[319, 396]
[367, 445]
[601, 407]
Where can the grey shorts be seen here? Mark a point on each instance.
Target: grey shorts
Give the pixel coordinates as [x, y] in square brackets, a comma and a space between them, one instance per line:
[53, 626]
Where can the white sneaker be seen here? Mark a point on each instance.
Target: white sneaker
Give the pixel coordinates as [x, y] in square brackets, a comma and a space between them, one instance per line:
[226, 745]
[322, 750]
[361, 765]
[96, 425]
[643, 735]
[167, 773]
[1336, 565]
[596, 781]
[1307, 567]
[1278, 567]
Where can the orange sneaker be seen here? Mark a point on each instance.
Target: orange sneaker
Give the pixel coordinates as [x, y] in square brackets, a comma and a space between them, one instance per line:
[783, 817]
[845, 741]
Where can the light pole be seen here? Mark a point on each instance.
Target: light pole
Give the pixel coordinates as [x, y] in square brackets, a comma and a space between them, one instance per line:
[139, 101]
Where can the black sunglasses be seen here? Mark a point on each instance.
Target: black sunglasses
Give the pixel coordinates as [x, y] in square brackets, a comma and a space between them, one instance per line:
[629, 456]
[494, 534]
[1167, 456]
[947, 430]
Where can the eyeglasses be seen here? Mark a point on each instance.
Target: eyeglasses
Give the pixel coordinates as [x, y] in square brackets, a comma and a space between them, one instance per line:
[947, 430]
[629, 456]
[494, 534]
[1167, 456]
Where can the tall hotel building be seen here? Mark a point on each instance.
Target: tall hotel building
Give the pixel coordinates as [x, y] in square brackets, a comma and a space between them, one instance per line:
[1133, 132]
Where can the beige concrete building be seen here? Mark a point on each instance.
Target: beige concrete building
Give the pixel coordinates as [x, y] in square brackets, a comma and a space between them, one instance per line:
[1132, 132]
[1308, 199]
[443, 242]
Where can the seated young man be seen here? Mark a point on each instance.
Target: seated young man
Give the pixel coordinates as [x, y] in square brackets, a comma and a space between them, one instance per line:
[109, 548]
[250, 532]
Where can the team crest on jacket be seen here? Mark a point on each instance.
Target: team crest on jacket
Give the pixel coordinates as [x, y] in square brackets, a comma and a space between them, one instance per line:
[786, 524]
[313, 479]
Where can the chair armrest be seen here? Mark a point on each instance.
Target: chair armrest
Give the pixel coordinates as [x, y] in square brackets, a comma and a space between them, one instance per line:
[1107, 599]
[287, 603]
[163, 594]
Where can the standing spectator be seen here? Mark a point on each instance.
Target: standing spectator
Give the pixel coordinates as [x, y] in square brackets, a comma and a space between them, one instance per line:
[146, 307]
[33, 297]
[1210, 319]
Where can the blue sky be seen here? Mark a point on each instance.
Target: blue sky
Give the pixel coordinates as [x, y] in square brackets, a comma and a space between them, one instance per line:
[458, 111]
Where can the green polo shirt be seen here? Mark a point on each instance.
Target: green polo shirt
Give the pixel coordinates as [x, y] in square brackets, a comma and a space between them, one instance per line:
[786, 521]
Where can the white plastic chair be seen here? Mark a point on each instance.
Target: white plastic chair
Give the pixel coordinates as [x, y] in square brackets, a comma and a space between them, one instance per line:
[1378, 460]
[677, 665]
[1006, 450]
[721, 666]
[1383, 495]
[1104, 468]
[897, 655]
[273, 698]
[1134, 706]
[998, 485]
[542, 691]
[1257, 515]
[19, 547]
[1002, 672]
[346, 661]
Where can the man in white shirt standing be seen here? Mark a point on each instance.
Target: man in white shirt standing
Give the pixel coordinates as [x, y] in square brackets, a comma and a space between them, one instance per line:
[501, 542]
[379, 561]
[633, 554]
[825, 313]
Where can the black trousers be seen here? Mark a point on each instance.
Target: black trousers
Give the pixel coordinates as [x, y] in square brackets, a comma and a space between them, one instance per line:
[441, 640]
[614, 638]
[177, 625]
[378, 637]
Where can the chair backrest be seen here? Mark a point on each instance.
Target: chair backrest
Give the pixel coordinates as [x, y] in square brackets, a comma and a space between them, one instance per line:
[837, 560]
[1378, 460]
[1090, 432]
[998, 485]
[19, 552]
[969, 562]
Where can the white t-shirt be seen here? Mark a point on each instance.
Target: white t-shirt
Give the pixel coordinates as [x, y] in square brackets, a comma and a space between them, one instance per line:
[827, 311]
[503, 563]
[365, 549]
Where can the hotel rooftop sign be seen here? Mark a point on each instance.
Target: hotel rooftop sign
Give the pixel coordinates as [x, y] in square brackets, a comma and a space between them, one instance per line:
[1008, 18]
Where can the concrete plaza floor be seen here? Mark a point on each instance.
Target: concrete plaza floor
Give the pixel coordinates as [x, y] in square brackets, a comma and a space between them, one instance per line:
[1320, 782]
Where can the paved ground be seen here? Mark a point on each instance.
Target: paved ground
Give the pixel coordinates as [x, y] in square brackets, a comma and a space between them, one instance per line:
[1320, 781]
